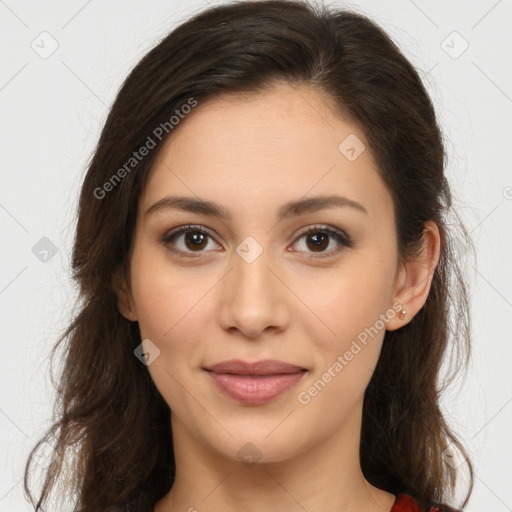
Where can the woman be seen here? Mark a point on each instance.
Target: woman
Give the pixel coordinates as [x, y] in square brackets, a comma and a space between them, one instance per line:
[266, 276]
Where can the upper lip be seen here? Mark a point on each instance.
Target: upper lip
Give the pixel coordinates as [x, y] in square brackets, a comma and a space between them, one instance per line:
[263, 367]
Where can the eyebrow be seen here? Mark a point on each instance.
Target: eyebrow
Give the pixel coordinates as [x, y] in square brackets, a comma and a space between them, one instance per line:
[290, 209]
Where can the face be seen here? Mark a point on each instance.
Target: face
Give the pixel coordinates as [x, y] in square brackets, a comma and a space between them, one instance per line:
[315, 288]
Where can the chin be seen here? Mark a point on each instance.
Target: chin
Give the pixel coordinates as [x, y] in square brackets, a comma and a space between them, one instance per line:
[258, 447]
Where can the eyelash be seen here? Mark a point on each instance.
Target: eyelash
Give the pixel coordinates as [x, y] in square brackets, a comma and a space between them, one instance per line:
[343, 240]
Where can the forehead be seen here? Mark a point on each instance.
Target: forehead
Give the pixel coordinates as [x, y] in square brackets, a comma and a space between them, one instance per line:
[264, 149]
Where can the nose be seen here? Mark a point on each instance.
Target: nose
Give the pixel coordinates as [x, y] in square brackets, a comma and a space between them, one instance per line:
[253, 297]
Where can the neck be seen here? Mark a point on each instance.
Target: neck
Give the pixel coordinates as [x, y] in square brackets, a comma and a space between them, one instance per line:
[322, 477]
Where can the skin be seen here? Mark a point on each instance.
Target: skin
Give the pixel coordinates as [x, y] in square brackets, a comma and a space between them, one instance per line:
[251, 155]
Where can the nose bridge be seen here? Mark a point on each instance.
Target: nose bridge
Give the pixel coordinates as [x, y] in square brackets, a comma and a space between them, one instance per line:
[252, 296]
[251, 267]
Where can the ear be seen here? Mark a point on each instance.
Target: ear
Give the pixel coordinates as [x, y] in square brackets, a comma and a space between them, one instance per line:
[125, 302]
[414, 278]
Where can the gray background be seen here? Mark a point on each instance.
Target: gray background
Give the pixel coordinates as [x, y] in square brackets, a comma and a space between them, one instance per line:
[53, 105]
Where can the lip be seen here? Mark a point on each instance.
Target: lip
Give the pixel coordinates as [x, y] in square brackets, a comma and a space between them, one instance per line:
[255, 383]
[263, 367]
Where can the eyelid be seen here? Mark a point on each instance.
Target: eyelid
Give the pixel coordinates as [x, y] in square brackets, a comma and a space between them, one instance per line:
[323, 228]
[180, 230]
[344, 240]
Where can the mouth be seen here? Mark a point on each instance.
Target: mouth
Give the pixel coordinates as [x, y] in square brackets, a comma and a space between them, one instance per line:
[255, 383]
[263, 367]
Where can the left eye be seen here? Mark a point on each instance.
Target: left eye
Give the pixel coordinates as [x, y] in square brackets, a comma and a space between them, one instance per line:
[317, 238]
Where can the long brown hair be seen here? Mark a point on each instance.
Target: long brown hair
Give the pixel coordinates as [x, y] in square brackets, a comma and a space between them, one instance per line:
[110, 422]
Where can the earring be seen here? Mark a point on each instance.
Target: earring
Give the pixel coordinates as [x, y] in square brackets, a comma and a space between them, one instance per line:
[402, 314]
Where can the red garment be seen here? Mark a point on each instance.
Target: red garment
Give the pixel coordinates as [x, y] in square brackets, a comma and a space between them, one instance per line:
[406, 503]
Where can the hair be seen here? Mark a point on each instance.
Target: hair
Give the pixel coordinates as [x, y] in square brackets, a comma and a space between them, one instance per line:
[108, 415]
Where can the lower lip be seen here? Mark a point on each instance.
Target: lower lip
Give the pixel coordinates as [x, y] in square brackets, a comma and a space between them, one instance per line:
[255, 390]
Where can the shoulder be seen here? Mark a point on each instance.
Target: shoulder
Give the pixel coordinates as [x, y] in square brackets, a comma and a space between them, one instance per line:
[407, 503]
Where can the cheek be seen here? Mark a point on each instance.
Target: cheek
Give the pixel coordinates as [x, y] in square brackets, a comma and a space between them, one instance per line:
[166, 297]
[348, 332]
[345, 361]
[346, 302]
[172, 312]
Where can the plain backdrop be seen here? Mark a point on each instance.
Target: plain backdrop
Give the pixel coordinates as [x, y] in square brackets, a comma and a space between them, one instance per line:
[62, 64]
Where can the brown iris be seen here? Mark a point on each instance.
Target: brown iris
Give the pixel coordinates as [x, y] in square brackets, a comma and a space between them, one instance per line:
[319, 241]
[198, 240]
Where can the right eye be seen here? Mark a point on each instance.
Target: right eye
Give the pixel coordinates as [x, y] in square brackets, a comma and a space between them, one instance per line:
[193, 240]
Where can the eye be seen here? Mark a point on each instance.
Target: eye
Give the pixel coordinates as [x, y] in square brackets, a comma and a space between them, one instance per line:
[318, 239]
[195, 240]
